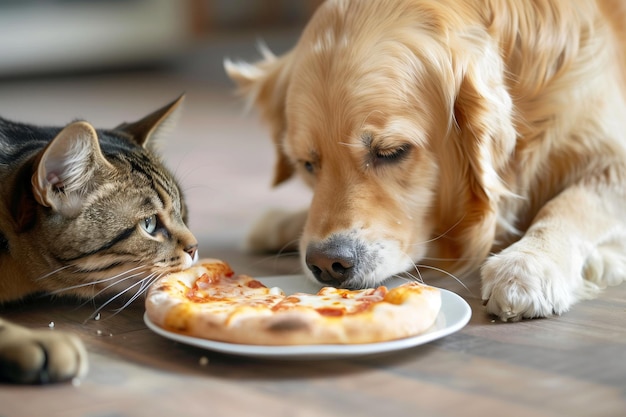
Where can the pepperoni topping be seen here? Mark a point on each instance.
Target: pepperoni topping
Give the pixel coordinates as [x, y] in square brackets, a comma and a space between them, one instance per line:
[331, 312]
[255, 284]
[207, 280]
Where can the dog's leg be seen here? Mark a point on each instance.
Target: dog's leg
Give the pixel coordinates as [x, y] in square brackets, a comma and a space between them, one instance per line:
[574, 247]
[277, 231]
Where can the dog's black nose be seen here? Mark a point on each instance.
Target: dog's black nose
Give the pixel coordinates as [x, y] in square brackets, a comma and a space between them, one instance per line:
[330, 265]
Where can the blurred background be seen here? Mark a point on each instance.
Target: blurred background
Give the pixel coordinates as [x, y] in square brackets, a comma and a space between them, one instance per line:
[110, 61]
[46, 36]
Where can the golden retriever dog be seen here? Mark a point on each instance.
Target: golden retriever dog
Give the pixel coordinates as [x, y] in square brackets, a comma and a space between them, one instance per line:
[462, 135]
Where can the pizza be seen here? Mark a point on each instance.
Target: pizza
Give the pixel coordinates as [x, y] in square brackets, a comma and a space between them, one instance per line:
[210, 301]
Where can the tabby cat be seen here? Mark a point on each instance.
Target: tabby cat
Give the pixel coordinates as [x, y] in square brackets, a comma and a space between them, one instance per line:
[86, 213]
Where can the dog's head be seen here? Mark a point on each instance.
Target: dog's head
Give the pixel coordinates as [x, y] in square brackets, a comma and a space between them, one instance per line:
[397, 117]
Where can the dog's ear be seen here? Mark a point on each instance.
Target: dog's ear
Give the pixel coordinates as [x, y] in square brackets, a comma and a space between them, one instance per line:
[265, 85]
[483, 112]
[484, 140]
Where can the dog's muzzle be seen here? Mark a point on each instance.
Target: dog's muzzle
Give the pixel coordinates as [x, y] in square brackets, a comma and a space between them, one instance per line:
[337, 260]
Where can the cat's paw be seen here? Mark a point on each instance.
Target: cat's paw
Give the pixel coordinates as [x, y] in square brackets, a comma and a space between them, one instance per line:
[40, 356]
[519, 284]
[276, 231]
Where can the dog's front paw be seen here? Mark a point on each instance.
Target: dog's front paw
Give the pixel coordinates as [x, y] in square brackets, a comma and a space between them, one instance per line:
[40, 356]
[522, 284]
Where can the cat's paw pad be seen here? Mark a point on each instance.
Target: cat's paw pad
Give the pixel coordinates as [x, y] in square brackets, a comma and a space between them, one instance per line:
[42, 356]
[518, 285]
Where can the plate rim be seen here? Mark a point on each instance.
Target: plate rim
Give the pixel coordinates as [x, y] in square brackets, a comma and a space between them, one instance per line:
[455, 313]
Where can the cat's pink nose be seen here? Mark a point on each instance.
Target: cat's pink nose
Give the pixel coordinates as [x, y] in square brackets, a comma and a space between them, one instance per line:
[192, 250]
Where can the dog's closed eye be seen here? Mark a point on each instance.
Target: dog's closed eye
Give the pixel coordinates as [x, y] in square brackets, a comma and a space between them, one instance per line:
[390, 155]
[385, 152]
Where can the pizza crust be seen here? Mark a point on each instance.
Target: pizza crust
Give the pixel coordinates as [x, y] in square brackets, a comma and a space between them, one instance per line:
[265, 316]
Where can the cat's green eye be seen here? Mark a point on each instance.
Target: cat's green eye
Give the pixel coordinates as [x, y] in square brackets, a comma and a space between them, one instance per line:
[149, 224]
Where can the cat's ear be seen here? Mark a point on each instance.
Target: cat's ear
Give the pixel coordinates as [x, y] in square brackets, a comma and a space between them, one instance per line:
[155, 125]
[67, 165]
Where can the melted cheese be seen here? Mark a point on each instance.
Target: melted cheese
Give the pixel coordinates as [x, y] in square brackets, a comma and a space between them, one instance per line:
[334, 302]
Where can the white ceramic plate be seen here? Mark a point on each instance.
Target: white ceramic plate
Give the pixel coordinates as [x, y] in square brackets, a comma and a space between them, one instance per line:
[454, 315]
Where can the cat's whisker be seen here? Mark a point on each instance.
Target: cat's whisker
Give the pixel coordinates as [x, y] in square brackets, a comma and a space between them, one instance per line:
[87, 270]
[144, 284]
[95, 296]
[115, 297]
[184, 162]
[198, 187]
[120, 279]
[147, 282]
[56, 271]
[120, 276]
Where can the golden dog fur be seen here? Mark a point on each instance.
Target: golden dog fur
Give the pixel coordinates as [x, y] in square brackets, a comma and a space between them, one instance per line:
[458, 134]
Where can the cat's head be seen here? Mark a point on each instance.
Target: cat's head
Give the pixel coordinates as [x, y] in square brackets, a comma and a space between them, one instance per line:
[106, 214]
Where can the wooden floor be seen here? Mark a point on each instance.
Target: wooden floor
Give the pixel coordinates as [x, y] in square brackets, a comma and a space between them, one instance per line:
[574, 365]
